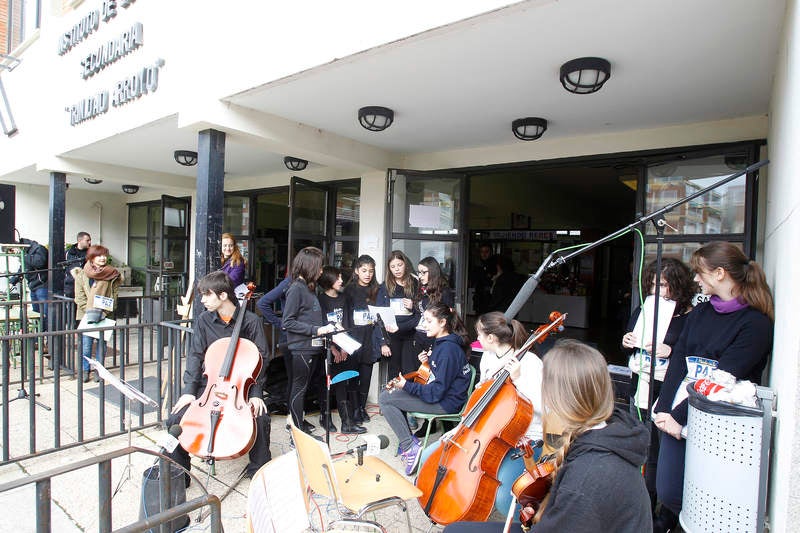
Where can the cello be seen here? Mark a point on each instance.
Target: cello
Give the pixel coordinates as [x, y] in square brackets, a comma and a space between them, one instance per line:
[219, 424]
[459, 480]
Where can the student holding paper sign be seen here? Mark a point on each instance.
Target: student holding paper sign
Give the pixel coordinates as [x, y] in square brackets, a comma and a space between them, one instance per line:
[733, 332]
[398, 292]
[96, 287]
[677, 291]
[335, 309]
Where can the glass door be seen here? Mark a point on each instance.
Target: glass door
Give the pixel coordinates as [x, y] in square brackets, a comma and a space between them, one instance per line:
[427, 218]
[308, 210]
[174, 251]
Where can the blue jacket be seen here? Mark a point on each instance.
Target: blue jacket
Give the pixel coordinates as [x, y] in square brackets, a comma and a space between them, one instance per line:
[450, 375]
[266, 304]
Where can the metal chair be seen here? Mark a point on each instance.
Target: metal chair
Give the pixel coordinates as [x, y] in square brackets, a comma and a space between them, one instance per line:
[277, 503]
[355, 489]
[451, 417]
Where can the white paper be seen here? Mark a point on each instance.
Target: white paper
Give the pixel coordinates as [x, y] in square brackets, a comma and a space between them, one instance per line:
[105, 323]
[644, 324]
[346, 342]
[386, 314]
[275, 499]
[398, 307]
[424, 216]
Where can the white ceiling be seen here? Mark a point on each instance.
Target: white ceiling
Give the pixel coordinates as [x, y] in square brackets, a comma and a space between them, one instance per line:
[460, 86]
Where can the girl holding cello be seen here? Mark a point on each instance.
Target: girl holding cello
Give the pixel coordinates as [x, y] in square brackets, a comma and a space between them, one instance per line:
[444, 391]
[501, 338]
[597, 484]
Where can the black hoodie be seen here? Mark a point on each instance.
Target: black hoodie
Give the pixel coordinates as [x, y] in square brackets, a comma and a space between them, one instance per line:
[599, 487]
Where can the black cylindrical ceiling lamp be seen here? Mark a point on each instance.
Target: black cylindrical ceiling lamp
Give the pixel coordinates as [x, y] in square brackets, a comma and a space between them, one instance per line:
[585, 75]
[130, 189]
[375, 118]
[529, 128]
[294, 163]
[187, 158]
[92, 181]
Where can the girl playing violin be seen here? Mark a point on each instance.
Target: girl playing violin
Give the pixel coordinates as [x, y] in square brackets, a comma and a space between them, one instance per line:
[597, 485]
[446, 389]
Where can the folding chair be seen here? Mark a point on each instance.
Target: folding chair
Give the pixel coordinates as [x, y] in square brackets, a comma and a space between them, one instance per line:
[355, 489]
[277, 502]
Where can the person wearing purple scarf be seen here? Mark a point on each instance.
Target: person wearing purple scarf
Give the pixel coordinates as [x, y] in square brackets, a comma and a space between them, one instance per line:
[733, 332]
[233, 263]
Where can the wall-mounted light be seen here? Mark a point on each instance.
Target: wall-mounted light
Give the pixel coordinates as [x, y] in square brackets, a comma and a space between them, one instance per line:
[130, 189]
[186, 158]
[375, 118]
[585, 75]
[529, 128]
[294, 163]
[92, 181]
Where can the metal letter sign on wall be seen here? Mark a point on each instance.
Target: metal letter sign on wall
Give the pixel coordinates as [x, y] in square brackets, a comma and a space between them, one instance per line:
[141, 82]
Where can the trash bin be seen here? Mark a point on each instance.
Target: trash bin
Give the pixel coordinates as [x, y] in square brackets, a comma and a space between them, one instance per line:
[727, 461]
[151, 495]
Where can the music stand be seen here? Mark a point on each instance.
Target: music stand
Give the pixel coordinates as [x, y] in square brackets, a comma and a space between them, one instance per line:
[130, 393]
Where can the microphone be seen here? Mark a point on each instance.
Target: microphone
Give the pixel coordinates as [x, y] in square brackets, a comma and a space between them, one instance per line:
[69, 262]
[167, 443]
[372, 443]
[522, 296]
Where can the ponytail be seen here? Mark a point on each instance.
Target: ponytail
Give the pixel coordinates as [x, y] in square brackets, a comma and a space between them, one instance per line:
[453, 322]
[755, 290]
[507, 332]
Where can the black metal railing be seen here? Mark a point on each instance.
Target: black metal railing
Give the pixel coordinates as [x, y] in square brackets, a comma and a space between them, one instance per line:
[42, 503]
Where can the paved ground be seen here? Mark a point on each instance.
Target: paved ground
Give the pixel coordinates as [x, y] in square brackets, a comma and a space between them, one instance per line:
[74, 495]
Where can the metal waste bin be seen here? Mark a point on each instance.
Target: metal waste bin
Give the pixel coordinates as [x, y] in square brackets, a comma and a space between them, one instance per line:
[151, 504]
[727, 461]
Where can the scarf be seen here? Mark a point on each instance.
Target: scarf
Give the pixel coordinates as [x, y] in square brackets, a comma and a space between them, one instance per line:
[731, 306]
[104, 273]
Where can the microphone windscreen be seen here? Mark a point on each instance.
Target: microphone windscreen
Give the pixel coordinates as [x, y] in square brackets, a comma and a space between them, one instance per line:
[384, 441]
[175, 430]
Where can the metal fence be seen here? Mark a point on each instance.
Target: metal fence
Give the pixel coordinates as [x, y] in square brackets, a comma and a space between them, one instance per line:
[46, 405]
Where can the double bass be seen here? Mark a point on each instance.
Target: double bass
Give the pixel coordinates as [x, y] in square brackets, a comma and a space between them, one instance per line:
[459, 480]
[219, 424]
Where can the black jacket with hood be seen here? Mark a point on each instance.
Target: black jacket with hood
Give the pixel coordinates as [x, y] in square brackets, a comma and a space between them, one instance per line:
[599, 486]
[36, 259]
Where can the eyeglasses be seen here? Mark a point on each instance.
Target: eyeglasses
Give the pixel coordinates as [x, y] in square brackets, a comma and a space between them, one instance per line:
[422, 272]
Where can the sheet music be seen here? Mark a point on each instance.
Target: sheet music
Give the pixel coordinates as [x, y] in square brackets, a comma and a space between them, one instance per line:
[346, 342]
[386, 314]
[276, 505]
[105, 323]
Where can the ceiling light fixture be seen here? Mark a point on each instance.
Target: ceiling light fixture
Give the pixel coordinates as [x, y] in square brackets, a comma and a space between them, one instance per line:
[529, 128]
[585, 75]
[92, 181]
[375, 118]
[130, 189]
[294, 163]
[186, 158]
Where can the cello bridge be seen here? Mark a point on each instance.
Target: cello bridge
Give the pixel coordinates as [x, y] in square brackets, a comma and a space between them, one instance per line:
[221, 395]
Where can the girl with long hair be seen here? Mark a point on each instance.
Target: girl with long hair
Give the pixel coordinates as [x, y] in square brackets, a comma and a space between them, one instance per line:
[677, 288]
[233, 263]
[96, 278]
[731, 332]
[303, 321]
[335, 309]
[399, 291]
[446, 390]
[433, 288]
[599, 451]
[361, 292]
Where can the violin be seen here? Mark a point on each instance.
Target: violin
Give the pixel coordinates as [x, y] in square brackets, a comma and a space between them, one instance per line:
[220, 424]
[459, 479]
[421, 376]
[532, 487]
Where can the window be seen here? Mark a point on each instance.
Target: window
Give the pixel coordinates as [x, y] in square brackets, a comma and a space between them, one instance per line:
[23, 19]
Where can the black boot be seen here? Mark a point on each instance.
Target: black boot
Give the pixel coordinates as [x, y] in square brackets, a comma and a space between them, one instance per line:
[348, 425]
[325, 420]
[352, 398]
[360, 405]
[664, 521]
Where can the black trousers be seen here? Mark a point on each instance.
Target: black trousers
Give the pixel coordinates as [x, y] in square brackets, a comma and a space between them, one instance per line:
[259, 453]
[305, 367]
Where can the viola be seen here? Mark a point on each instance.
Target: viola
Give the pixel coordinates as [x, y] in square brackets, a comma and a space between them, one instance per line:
[532, 486]
[459, 480]
[220, 424]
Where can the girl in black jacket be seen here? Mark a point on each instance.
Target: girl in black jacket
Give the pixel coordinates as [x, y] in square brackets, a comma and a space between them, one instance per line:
[399, 291]
[433, 288]
[303, 321]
